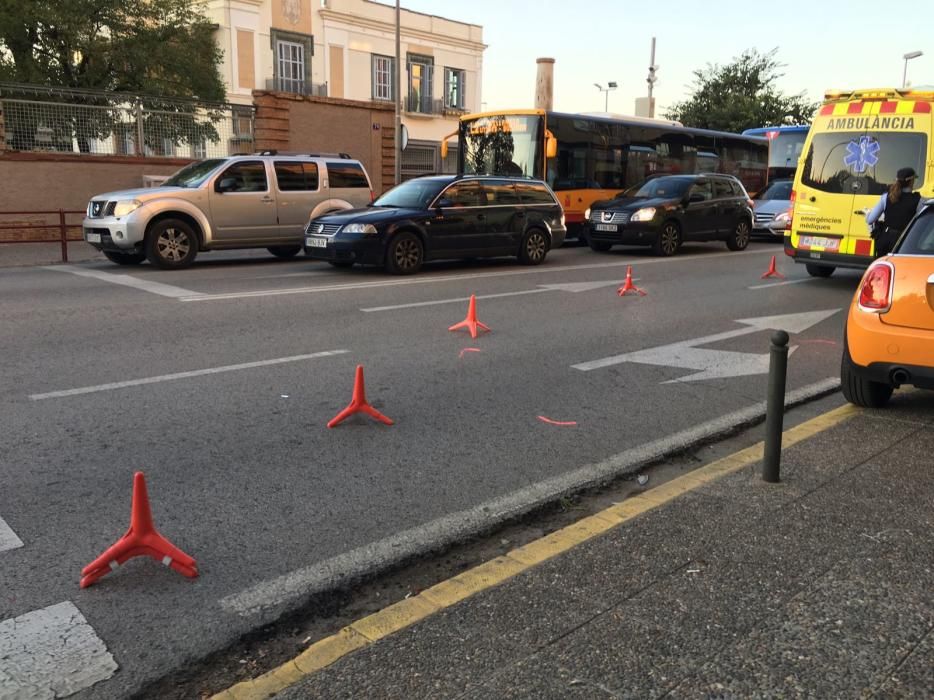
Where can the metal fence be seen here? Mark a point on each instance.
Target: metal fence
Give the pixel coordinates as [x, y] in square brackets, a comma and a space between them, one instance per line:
[33, 118]
[48, 226]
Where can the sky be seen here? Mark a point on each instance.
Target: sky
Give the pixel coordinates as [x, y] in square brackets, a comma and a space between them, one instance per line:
[825, 45]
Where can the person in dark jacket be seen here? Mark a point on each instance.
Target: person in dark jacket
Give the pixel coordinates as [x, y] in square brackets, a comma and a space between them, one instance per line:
[899, 205]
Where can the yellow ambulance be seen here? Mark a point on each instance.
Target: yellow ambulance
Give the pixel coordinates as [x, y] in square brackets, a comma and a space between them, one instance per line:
[857, 142]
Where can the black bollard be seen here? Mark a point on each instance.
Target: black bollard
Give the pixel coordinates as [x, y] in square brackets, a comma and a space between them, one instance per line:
[775, 407]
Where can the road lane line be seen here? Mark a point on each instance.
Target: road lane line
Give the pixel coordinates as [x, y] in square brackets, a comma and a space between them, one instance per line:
[451, 301]
[477, 276]
[163, 290]
[375, 556]
[781, 284]
[402, 615]
[182, 375]
[51, 653]
[8, 538]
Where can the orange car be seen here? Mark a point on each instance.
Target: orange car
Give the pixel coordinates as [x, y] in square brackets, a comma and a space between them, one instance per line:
[889, 338]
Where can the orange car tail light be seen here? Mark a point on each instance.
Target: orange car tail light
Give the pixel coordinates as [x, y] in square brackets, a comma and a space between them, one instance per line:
[875, 292]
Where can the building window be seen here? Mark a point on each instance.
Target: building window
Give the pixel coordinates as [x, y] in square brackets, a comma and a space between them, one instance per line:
[290, 57]
[454, 88]
[421, 77]
[419, 159]
[383, 77]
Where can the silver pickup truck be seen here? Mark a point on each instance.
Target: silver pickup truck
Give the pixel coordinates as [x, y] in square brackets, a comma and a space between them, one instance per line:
[258, 201]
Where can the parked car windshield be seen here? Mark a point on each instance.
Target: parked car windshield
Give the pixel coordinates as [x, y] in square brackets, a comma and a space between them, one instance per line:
[193, 175]
[672, 187]
[780, 189]
[414, 194]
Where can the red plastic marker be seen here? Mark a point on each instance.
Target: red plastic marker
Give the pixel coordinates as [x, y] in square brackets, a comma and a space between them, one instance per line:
[628, 287]
[461, 355]
[359, 404]
[142, 539]
[471, 323]
[772, 272]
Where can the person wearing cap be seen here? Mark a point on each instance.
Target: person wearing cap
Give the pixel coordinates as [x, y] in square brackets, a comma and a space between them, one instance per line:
[899, 205]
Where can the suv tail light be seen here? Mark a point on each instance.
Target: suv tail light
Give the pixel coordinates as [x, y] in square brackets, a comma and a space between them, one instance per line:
[875, 292]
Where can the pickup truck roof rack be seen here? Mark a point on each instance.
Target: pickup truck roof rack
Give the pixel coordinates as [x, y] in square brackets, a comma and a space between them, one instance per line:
[274, 152]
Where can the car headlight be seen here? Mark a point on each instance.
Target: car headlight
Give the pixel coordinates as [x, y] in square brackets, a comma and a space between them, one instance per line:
[367, 229]
[587, 213]
[783, 219]
[644, 214]
[126, 206]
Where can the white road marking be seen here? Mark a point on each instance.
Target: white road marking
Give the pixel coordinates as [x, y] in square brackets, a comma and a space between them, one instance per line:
[436, 534]
[715, 364]
[163, 290]
[476, 276]
[781, 284]
[451, 301]
[8, 538]
[183, 375]
[51, 653]
[569, 287]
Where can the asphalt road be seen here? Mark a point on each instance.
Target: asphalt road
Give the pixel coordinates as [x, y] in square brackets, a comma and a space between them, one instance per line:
[244, 475]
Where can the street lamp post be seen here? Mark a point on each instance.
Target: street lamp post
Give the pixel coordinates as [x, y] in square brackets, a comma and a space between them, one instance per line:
[908, 57]
[609, 86]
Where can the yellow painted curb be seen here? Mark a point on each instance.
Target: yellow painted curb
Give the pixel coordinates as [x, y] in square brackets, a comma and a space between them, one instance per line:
[407, 612]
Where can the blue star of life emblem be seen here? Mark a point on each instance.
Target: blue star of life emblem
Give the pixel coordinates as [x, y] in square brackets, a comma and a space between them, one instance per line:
[862, 154]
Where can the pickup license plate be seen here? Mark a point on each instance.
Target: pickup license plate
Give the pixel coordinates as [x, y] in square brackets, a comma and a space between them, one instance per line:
[93, 238]
[605, 227]
[313, 242]
[830, 245]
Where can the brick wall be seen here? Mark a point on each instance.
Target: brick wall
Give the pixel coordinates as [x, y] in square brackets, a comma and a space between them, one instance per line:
[364, 130]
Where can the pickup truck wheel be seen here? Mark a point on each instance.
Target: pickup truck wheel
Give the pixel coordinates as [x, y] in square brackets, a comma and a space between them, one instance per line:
[171, 244]
[285, 251]
[125, 258]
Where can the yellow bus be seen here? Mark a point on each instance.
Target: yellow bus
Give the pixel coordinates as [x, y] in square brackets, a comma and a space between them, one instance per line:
[858, 141]
[588, 157]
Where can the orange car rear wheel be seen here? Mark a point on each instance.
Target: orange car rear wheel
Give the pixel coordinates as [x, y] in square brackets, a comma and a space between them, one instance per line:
[859, 390]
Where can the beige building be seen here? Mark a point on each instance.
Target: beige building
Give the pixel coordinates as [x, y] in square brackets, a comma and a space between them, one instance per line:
[346, 49]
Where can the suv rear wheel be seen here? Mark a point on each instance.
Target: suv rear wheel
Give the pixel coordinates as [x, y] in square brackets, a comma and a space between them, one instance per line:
[125, 258]
[285, 251]
[404, 254]
[739, 239]
[171, 244]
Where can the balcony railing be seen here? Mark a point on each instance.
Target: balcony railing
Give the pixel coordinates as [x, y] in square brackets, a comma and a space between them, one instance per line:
[297, 87]
[423, 104]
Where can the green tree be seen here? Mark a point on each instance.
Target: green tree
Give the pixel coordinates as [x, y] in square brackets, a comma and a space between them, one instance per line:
[741, 95]
[161, 48]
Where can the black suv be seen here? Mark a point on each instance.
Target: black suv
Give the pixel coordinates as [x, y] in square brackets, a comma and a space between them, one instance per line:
[442, 217]
[667, 210]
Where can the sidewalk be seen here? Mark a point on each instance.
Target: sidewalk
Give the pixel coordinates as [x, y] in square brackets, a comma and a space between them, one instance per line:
[24, 254]
[821, 586]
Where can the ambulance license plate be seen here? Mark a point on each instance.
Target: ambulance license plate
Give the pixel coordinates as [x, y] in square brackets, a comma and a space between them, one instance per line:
[830, 245]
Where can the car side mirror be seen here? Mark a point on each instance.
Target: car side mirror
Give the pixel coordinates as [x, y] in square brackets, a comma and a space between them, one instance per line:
[226, 184]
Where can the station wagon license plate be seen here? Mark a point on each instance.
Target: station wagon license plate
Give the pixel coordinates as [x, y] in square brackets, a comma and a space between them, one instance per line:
[93, 238]
[605, 227]
[830, 245]
[313, 242]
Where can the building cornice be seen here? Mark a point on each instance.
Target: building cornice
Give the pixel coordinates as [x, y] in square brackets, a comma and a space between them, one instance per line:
[390, 27]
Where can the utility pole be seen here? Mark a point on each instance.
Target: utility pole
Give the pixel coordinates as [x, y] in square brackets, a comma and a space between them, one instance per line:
[652, 78]
[398, 80]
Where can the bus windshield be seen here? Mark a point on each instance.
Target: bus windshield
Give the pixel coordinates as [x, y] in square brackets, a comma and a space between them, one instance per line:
[785, 149]
[502, 145]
